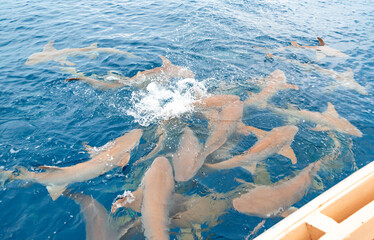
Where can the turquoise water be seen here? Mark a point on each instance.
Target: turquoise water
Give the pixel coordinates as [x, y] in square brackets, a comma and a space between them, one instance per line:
[44, 120]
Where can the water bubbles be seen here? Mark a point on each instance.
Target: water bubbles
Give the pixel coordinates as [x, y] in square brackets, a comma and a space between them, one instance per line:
[161, 102]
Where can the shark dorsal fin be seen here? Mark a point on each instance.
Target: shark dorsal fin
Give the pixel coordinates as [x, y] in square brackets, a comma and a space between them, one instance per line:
[56, 190]
[93, 45]
[331, 110]
[49, 47]
[165, 62]
[50, 168]
[288, 153]
[321, 42]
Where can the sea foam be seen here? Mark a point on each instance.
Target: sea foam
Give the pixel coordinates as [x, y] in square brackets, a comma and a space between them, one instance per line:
[161, 102]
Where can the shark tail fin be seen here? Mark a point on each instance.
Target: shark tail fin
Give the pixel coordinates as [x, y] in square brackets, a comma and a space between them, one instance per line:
[165, 62]
[321, 42]
[295, 44]
[49, 47]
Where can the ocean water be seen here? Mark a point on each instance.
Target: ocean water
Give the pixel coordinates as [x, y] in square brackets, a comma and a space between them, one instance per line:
[44, 119]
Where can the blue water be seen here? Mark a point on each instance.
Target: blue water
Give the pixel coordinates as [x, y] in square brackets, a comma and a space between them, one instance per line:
[44, 119]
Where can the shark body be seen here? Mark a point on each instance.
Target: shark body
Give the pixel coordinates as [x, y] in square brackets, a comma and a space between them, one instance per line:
[159, 74]
[275, 82]
[277, 140]
[50, 53]
[188, 159]
[344, 79]
[328, 120]
[322, 50]
[158, 186]
[95, 216]
[270, 201]
[56, 179]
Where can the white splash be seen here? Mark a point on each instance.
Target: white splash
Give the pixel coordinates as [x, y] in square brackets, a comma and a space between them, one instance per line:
[162, 102]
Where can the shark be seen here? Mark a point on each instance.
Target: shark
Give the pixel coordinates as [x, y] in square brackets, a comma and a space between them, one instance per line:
[185, 211]
[322, 50]
[95, 215]
[160, 74]
[344, 79]
[56, 179]
[188, 159]
[275, 82]
[274, 200]
[223, 121]
[50, 53]
[277, 199]
[278, 140]
[328, 120]
[158, 186]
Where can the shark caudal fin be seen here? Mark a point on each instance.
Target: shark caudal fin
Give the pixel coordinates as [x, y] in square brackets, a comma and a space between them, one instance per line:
[321, 42]
[49, 47]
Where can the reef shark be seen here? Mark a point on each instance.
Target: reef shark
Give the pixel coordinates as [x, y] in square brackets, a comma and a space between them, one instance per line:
[160, 74]
[278, 140]
[328, 120]
[158, 186]
[56, 179]
[344, 79]
[185, 211]
[322, 50]
[96, 217]
[277, 199]
[50, 53]
[223, 112]
[271, 201]
[275, 82]
[188, 159]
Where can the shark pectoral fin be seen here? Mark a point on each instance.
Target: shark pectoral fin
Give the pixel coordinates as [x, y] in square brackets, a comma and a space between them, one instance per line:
[165, 62]
[62, 61]
[331, 111]
[258, 132]
[288, 153]
[124, 161]
[321, 42]
[251, 167]
[295, 44]
[320, 55]
[291, 86]
[92, 55]
[320, 128]
[288, 212]
[56, 190]
[50, 168]
[49, 47]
